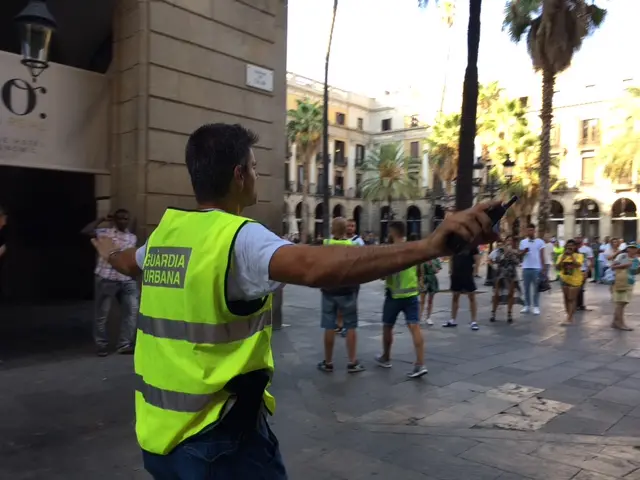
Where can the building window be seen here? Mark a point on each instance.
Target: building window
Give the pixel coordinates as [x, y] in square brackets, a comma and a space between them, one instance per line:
[358, 182]
[415, 149]
[386, 124]
[360, 123]
[414, 123]
[286, 176]
[524, 102]
[338, 153]
[339, 184]
[590, 131]
[340, 118]
[359, 154]
[588, 168]
[300, 179]
[320, 180]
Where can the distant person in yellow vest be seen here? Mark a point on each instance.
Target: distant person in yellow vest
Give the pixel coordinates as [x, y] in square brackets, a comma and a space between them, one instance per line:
[401, 296]
[203, 356]
[339, 301]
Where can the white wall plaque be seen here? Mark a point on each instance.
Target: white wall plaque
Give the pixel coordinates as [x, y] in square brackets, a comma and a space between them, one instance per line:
[260, 78]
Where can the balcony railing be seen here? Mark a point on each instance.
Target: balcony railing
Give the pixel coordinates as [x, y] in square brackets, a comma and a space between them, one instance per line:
[319, 157]
[359, 161]
[338, 191]
[341, 161]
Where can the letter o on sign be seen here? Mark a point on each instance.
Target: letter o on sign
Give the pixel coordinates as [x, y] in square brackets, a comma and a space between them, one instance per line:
[19, 86]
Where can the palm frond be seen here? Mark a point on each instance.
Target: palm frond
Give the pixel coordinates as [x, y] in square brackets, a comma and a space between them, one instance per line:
[390, 174]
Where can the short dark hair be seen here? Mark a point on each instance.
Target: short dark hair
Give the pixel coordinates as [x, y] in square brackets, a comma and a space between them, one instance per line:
[398, 227]
[212, 154]
[531, 225]
[351, 220]
[121, 210]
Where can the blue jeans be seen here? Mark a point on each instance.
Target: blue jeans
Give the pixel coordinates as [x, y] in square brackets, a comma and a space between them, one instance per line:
[530, 278]
[126, 293]
[221, 453]
[393, 306]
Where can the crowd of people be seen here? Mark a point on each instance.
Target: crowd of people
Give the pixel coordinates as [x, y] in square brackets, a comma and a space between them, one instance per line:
[521, 268]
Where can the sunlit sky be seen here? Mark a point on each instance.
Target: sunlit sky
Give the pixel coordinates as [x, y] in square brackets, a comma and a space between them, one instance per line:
[390, 44]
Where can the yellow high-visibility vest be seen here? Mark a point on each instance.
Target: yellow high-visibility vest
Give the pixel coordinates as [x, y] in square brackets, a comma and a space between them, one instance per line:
[191, 339]
[403, 284]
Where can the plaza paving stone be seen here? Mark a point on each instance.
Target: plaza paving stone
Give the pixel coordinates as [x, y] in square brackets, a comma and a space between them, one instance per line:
[531, 400]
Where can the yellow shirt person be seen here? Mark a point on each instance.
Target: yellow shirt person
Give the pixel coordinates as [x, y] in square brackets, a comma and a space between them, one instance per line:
[569, 269]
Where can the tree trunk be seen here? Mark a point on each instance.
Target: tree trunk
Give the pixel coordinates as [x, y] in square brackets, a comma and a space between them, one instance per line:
[546, 115]
[304, 234]
[325, 134]
[464, 182]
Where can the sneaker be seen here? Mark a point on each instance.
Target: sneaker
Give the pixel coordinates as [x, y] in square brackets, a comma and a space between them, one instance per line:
[493, 317]
[325, 367]
[355, 367]
[343, 333]
[125, 350]
[524, 310]
[536, 311]
[418, 371]
[474, 326]
[428, 321]
[509, 319]
[102, 351]
[382, 362]
[450, 324]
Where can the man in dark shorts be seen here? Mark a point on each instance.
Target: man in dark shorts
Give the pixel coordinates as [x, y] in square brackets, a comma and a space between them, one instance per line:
[401, 295]
[462, 282]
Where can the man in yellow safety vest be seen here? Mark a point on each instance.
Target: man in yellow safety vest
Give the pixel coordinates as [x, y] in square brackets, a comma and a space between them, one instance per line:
[203, 355]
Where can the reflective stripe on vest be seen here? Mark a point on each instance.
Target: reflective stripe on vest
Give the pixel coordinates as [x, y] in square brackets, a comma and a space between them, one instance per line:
[170, 400]
[205, 333]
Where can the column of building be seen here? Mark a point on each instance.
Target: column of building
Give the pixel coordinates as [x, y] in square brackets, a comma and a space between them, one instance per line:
[293, 168]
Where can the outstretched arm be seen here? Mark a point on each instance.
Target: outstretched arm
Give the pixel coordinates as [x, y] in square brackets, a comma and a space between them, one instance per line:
[336, 266]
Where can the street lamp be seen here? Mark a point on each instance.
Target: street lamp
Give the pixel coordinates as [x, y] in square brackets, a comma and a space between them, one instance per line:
[507, 166]
[37, 26]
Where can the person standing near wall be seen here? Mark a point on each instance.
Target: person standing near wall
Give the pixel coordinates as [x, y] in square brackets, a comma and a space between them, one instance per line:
[111, 284]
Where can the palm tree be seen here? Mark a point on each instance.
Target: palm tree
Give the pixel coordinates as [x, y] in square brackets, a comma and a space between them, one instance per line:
[442, 144]
[622, 155]
[304, 129]
[464, 177]
[325, 131]
[390, 175]
[555, 31]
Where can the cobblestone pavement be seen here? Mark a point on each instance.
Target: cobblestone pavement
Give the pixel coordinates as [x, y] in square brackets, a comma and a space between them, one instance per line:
[531, 400]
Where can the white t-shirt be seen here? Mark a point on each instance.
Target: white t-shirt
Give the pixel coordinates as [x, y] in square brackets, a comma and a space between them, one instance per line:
[357, 240]
[532, 258]
[588, 255]
[249, 275]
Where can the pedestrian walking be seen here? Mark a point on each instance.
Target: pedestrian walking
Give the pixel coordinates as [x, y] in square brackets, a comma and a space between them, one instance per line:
[570, 269]
[203, 356]
[401, 296]
[462, 266]
[533, 264]
[112, 285]
[505, 259]
[341, 301]
[557, 251]
[626, 266]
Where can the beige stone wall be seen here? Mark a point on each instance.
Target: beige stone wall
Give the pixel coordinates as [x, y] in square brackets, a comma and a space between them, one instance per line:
[179, 64]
